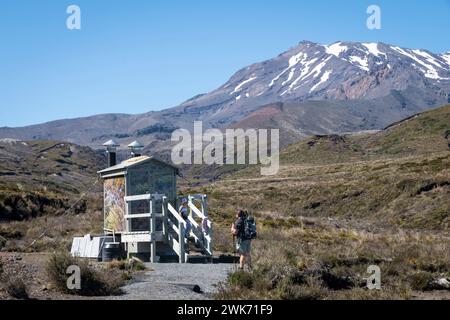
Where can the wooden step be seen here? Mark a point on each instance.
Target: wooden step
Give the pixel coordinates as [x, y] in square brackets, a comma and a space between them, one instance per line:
[199, 258]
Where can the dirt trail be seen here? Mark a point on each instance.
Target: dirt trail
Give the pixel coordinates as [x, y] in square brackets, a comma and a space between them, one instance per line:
[174, 281]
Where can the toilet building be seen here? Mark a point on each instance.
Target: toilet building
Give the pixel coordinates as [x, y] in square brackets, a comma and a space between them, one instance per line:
[133, 177]
[140, 215]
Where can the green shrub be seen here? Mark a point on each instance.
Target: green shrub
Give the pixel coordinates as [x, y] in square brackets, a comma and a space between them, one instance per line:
[93, 282]
[241, 279]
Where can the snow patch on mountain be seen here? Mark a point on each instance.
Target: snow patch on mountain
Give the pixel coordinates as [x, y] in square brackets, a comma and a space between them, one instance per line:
[373, 49]
[239, 86]
[429, 58]
[336, 49]
[323, 79]
[293, 61]
[429, 71]
[360, 62]
[291, 75]
[304, 73]
[446, 57]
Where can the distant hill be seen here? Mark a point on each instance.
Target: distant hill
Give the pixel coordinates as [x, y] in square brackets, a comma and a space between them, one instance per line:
[421, 134]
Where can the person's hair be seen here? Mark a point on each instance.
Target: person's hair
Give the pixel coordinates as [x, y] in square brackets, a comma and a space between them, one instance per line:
[241, 213]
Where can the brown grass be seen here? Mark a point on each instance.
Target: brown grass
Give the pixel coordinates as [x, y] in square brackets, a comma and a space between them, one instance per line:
[94, 281]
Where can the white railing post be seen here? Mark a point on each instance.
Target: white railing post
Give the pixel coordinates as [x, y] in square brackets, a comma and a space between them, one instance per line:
[165, 219]
[181, 242]
[205, 205]
[152, 230]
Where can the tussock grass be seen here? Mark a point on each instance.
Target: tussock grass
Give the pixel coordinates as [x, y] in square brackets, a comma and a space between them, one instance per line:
[94, 282]
[322, 262]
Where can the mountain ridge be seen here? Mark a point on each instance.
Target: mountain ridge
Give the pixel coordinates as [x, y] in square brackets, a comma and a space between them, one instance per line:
[349, 75]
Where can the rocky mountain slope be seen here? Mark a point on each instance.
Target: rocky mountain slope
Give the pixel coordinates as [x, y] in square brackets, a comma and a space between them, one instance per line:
[309, 89]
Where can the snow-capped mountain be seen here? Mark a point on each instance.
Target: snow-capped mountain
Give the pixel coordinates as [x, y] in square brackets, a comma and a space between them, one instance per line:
[340, 71]
[309, 89]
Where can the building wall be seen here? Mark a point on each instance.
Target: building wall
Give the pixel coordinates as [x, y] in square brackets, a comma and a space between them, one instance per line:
[154, 178]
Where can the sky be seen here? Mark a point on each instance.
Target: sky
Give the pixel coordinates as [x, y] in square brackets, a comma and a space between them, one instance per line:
[138, 56]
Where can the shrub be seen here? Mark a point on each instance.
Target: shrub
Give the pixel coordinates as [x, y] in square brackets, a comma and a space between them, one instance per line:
[126, 265]
[241, 279]
[335, 281]
[16, 288]
[421, 281]
[93, 282]
[288, 291]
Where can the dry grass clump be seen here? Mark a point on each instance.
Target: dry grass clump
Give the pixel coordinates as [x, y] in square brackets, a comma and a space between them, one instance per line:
[94, 282]
[126, 265]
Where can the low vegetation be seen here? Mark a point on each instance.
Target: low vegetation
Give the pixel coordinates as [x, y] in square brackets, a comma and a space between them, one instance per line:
[127, 265]
[340, 204]
[94, 281]
[320, 261]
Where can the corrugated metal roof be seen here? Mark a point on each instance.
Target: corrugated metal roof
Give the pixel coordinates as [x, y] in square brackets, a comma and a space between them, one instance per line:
[133, 162]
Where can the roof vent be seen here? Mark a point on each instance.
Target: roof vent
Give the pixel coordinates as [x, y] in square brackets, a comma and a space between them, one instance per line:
[136, 148]
[111, 151]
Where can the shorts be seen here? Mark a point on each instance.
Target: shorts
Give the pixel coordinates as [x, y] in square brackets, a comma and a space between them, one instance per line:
[244, 246]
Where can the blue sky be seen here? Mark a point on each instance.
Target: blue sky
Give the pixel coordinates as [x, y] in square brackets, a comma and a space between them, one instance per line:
[136, 56]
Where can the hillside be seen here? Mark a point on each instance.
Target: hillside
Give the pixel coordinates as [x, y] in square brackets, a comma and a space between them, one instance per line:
[400, 175]
[340, 204]
[46, 186]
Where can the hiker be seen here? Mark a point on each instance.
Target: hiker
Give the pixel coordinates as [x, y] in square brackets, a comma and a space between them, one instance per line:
[244, 229]
[184, 212]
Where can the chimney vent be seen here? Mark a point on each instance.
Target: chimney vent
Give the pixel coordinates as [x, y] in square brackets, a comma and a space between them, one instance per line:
[136, 148]
[111, 151]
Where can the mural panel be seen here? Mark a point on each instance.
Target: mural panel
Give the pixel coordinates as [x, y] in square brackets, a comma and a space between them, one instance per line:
[115, 204]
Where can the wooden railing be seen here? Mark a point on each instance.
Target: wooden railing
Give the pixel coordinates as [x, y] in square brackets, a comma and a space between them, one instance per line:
[173, 225]
[151, 235]
[201, 233]
[177, 245]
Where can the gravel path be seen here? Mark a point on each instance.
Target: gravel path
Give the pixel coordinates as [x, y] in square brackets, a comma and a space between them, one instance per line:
[173, 281]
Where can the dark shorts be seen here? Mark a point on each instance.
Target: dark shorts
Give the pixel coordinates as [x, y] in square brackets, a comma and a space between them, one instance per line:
[244, 246]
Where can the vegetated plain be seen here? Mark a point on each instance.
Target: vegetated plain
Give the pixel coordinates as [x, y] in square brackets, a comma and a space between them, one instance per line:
[338, 205]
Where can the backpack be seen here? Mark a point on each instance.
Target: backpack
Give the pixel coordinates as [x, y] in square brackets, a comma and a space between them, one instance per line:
[249, 229]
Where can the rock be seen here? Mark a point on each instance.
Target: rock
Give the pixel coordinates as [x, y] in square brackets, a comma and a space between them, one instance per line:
[441, 284]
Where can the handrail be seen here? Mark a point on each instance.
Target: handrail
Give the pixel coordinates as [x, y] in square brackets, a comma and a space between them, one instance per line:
[204, 238]
[174, 229]
[175, 214]
[178, 246]
[196, 210]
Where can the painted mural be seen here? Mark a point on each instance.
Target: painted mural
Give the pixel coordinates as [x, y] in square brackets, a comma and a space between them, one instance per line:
[115, 204]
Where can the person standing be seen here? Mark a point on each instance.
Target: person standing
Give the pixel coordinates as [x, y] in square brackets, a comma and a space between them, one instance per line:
[243, 243]
[184, 212]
